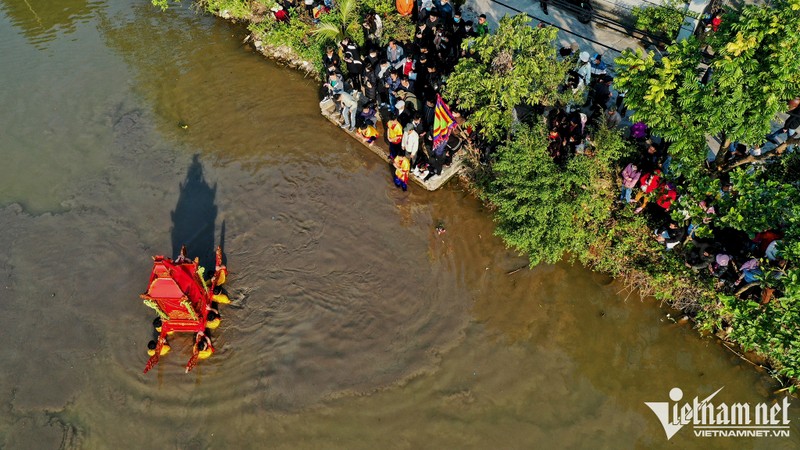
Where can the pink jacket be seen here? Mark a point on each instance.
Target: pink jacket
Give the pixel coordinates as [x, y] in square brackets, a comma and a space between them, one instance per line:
[630, 176]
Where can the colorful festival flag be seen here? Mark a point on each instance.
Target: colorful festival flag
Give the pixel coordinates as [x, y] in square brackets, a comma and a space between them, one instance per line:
[443, 124]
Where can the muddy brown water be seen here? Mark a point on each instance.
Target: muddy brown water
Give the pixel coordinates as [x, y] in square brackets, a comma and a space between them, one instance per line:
[354, 325]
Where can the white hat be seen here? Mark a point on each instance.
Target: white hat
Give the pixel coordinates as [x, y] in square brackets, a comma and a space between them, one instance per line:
[584, 56]
[400, 104]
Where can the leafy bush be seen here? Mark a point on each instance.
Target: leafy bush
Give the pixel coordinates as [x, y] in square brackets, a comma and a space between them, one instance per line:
[296, 35]
[240, 9]
[761, 203]
[395, 26]
[771, 329]
[341, 22]
[545, 210]
[665, 19]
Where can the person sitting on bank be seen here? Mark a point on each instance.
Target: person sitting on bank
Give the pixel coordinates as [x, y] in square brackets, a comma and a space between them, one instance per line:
[700, 257]
[151, 348]
[280, 14]
[724, 268]
[750, 272]
[367, 116]
[367, 132]
[648, 183]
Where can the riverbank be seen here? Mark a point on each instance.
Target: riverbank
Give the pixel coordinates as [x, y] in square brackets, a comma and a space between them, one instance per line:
[287, 56]
[381, 148]
[623, 244]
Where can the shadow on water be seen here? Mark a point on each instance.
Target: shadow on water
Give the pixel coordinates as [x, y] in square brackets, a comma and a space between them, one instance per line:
[222, 242]
[194, 216]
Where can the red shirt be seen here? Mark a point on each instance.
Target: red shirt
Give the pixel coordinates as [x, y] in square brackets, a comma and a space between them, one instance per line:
[764, 238]
[666, 198]
[408, 67]
[650, 183]
[281, 16]
[715, 22]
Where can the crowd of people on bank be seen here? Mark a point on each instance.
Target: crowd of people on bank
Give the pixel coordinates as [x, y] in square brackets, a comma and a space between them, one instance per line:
[736, 260]
[400, 83]
[732, 257]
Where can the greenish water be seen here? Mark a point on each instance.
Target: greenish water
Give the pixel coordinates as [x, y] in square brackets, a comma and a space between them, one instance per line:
[354, 324]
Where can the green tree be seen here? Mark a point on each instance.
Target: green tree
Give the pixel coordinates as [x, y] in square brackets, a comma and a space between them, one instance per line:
[667, 96]
[664, 19]
[759, 203]
[343, 21]
[756, 70]
[545, 210]
[515, 66]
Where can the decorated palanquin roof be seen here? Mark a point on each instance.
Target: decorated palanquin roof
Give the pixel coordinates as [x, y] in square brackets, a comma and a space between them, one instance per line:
[175, 287]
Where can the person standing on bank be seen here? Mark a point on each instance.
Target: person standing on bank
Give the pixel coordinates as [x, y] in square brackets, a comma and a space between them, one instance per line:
[789, 126]
[410, 144]
[349, 106]
[394, 133]
[584, 71]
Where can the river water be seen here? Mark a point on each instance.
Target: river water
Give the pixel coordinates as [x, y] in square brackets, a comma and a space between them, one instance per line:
[127, 132]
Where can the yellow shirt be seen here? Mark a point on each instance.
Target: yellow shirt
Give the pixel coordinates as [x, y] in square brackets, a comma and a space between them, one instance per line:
[221, 298]
[164, 350]
[403, 165]
[395, 132]
[368, 132]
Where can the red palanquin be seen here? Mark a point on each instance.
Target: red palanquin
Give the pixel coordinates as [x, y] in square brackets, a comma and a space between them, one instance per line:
[179, 294]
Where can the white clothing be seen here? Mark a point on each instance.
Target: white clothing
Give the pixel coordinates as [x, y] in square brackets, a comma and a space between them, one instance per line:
[410, 142]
